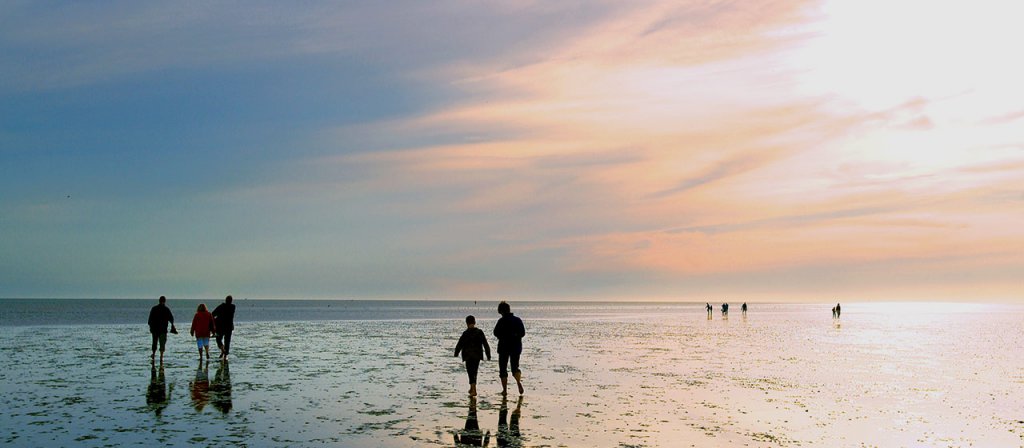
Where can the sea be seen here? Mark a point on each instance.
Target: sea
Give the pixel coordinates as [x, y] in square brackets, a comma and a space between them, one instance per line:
[347, 373]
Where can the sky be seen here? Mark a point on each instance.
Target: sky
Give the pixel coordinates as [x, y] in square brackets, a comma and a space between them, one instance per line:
[529, 150]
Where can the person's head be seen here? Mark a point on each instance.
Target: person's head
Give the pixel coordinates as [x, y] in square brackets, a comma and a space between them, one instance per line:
[163, 299]
[503, 308]
[470, 321]
[201, 308]
[228, 299]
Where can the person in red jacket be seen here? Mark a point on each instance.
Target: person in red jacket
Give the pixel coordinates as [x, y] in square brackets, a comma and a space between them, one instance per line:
[202, 328]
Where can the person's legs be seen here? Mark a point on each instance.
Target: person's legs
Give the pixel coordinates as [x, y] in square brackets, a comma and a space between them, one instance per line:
[162, 339]
[227, 344]
[503, 371]
[155, 337]
[516, 373]
[472, 367]
[220, 344]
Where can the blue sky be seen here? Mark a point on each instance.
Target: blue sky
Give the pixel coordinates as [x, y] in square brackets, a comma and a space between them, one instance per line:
[526, 150]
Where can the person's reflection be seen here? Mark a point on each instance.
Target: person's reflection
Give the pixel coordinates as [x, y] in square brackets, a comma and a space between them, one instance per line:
[157, 396]
[508, 433]
[201, 387]
[471, 435]
[220, 389]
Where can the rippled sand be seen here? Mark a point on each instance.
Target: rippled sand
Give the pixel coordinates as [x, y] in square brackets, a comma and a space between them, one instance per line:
[878, 377]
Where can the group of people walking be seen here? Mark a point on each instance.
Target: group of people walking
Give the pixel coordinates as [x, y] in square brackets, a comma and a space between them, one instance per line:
[219, 323]
[473, 345]
[725, 309]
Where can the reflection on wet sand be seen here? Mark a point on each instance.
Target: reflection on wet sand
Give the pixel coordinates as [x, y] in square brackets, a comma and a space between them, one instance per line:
[157, 396]
[471, 434]
[200, 387]
[220, 389]
[508, 433]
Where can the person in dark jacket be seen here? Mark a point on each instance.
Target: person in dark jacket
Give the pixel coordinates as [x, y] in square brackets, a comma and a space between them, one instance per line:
[473, 345]
[510, 331]
[159, 316]
[224, 320]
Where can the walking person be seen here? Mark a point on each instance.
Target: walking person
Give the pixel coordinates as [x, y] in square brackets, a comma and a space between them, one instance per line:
[159, 316]
[839, 311]
[224, 320]
[202, 327]
[473, 345]
[510, 331]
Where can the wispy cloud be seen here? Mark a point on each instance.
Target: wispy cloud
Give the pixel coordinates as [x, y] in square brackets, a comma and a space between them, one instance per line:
[574, 148]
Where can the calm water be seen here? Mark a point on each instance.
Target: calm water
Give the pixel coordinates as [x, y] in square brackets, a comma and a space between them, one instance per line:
[315, 373]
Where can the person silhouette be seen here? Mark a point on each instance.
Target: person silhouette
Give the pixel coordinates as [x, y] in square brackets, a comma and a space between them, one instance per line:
[725, 309]
[743, 308]
[508, 433]
[708, 308]
[157, 396]
[471, 434]
[224, 321]
[159, 316]
[473, 345]
[510, 331]
[833, 312]
[220, 388]
[200, 386]
[839, 311]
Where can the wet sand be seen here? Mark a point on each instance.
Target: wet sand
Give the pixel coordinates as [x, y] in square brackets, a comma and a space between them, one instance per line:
[793, 378]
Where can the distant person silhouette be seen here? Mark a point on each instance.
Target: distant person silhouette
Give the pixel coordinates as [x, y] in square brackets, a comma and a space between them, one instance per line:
[725, 309]
[510, 331]
[833, 312]
[200, 387]
[508, 433]
[224, 320]
[159, 316]
[839, 311]
[743, 308]
[202, 328]
[473, 345]
[220, 388]
[471, 435]
[157, 396]
[708, 308]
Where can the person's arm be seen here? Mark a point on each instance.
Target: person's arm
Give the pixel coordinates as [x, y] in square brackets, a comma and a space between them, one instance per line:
[487, 348]
[460, 345]
[192, 329]
[522, 329]
[213, 325]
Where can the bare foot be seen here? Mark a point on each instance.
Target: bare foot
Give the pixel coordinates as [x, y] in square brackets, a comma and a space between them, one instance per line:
[521, 390]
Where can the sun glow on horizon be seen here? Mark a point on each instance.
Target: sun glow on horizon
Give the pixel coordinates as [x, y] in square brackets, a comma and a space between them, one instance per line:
[777, 150]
